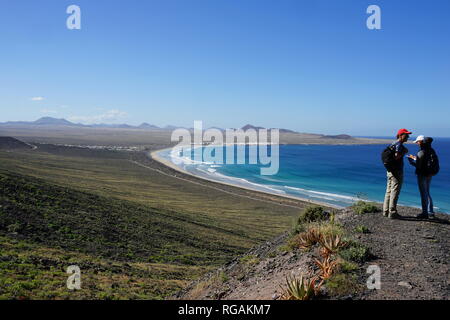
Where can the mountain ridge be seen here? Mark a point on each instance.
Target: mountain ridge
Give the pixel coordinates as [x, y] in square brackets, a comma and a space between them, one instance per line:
[50, 121]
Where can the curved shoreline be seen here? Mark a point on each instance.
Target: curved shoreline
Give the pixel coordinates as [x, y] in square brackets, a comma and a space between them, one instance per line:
[154, 155]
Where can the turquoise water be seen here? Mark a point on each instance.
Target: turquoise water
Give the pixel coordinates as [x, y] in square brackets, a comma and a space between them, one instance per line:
[338, 174]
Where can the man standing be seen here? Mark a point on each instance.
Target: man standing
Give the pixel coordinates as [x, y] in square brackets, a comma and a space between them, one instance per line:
[427, 165]
[395, 174]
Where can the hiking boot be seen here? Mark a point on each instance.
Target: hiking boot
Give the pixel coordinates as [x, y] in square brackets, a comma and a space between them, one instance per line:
[385, 214]
[422, 216]
[431, 216]
[394, 215]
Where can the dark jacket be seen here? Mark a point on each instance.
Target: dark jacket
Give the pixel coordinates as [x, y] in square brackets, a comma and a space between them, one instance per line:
[422, 157]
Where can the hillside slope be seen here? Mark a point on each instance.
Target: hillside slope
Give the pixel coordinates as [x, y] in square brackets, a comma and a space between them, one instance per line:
[10, 143]
[44, 228]
[412, 254]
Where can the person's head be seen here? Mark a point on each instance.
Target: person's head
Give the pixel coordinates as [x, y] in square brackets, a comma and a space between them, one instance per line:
[427, 141]
[403, 135]
[420, 140]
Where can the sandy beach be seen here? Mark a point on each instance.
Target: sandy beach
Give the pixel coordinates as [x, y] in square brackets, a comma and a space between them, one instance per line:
[154, 155]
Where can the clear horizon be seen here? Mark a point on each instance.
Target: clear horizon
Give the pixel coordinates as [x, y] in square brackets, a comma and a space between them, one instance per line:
[308, 66]
[240, 126]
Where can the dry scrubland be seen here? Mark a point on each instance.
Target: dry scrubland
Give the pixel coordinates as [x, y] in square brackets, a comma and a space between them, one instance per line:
[135, 232]
[146, 232]
[327, 253]
[146, 138]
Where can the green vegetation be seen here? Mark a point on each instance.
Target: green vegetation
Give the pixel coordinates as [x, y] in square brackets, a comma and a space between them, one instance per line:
[341, 284]
[300, 288]
[34, 271]
[249, 259]
[111, 174]
[223, 277]
[362, 207]
[134, 232]
[339, 272]
[356, 252]
[312, 224]
[327, 228]
[347, 266]
[362, 229]
[106, 227]
[308, 215]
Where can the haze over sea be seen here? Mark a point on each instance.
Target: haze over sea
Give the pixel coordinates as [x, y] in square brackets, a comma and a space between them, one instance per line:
[335, 174]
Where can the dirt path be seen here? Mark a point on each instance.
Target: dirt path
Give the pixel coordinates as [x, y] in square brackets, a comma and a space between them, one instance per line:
[412, 254]
[268, 198]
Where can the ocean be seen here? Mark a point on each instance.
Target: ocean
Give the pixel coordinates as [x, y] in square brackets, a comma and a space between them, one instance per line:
[335, 174]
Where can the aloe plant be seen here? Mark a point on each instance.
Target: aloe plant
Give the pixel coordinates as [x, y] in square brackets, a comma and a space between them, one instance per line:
[331, 244]
[326, 267]
[300, 288]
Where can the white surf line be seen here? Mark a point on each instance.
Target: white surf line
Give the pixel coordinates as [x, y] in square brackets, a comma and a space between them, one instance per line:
[167, 164]
[155, 156]
[33, 147]
[219, 189]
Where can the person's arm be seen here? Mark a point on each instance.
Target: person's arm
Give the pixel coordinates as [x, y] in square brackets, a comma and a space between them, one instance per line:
[420, 160]
[400, 151]
[412, 161]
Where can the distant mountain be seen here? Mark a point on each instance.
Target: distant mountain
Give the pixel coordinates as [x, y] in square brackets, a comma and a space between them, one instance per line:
[15, 123]
[217, 128]
[49, 121]
[44, 121]
[322, 136]
[146, 125]
[249, 126]
[287, 131]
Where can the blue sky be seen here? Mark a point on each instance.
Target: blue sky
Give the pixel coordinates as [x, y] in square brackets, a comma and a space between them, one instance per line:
[311, 66]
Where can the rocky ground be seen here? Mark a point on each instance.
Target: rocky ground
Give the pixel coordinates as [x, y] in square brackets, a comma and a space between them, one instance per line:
[412, 254]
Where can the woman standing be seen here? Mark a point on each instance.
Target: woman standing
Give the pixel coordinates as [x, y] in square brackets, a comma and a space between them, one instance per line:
[427, 165]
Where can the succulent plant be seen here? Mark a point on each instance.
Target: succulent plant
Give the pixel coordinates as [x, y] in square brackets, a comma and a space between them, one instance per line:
[326, 267]
[300, 288]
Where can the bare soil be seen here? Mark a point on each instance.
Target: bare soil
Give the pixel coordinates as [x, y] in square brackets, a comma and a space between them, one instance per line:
[412, 254]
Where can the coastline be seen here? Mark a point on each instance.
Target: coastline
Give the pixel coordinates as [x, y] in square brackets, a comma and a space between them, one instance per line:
[166, 162]
[154, 155]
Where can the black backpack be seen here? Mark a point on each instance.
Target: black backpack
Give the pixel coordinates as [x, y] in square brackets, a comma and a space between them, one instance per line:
[432, 163]
[388, 158]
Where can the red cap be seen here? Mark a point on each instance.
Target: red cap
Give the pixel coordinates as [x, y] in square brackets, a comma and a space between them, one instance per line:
[402, 131]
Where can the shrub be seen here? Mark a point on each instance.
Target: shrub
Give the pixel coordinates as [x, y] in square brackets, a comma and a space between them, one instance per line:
[305, 240]
[328, 234]
[346, 266]
[356, 253]
[249, 259]
[362, 229]
[361, 207]
[329, 229]
[312, 214]
[15, 227]
[223, 277]
[342, 284]
[331, 244]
